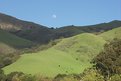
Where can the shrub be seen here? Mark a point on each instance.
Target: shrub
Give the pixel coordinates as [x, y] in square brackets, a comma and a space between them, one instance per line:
[109, 60]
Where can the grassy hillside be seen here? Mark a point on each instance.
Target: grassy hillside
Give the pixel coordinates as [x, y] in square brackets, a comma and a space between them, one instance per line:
[71, 55]
[114, 33]
[9, 43]
[84, 46]
[47, 63]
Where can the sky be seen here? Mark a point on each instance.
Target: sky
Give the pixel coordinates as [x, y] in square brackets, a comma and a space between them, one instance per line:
[58, 13]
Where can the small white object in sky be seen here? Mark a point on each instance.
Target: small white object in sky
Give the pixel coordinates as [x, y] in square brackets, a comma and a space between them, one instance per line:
[54, 16]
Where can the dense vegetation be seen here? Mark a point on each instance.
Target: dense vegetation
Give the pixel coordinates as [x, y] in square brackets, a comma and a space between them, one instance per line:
[107, 64]
[109, 60]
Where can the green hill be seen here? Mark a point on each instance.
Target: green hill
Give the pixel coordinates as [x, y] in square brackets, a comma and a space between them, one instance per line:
[84, 45]
[10, 43]
[71, 55]
[114, 33]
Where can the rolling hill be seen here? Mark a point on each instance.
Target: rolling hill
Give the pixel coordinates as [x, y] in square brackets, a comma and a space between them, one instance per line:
[42, 34]
[9, 43]
[25, 29]
[72, 30]
[83, 45]
[71, 55]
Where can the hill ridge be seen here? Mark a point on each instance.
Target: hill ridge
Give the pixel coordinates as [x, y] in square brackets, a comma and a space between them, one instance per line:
[42, 34]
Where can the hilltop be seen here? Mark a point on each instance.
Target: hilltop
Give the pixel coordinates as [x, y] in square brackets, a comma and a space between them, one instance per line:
[72, 30]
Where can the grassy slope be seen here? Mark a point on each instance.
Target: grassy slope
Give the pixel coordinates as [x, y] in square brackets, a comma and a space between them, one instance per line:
[9, 42]
[46, 63]
[84, 45]
[64, 54]
[109, 35]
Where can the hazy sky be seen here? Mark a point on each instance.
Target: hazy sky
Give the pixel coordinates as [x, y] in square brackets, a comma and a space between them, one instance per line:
[56, 13]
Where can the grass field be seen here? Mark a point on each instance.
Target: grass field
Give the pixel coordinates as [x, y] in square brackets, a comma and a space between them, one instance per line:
[47, 63]
[109, 35]
[71, 55]
[84, 46]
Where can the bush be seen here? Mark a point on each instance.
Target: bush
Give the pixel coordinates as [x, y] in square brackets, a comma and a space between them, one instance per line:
[92, 75]
[109, 60]
[115, 78]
